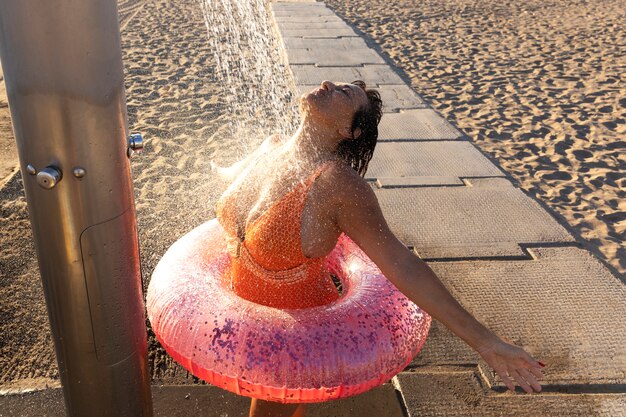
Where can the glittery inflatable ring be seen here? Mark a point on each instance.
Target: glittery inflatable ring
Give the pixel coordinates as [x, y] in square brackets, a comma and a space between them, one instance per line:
[359, 341]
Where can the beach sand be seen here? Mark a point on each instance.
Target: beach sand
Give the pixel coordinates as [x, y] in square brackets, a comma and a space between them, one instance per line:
[538, 85]
[8, 151]
[549, 109]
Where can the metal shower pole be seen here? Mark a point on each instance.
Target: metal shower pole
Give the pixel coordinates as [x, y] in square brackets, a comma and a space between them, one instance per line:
[63, 72]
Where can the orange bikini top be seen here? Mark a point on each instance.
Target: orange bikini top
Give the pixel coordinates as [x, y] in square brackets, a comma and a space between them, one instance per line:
[267, 263]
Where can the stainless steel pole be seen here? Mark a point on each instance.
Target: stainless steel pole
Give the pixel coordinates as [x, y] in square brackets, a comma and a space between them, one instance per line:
[63, 72]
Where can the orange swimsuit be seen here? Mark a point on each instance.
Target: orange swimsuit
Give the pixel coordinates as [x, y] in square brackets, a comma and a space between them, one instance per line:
[267, 264]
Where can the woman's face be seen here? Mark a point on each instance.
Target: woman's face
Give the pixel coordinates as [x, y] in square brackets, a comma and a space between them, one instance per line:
[334, 105]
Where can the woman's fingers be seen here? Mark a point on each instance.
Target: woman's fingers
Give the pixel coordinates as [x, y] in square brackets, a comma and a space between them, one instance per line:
[536, 372]
[530, 379]
[534, 366]
[522, 376]
[513, 364]
[521, 381]
[505, 378]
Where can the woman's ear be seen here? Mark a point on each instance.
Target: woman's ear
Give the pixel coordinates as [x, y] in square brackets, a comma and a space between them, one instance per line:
[347, 133]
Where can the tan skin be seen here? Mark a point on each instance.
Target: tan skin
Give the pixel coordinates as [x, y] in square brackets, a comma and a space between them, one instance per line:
[340, 201]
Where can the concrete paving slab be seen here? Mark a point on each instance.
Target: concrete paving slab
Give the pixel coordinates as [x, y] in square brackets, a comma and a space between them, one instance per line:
[304, 11]
[340, 44]
[491, 250]
[332, 58]
[208, 401]
[308, 19]
[443, 392]
[486, 218]
[318, 33]
[564, 307]
[46, 403]
[412, 182]
[417, 124]
[441, 158]
[297, 6]
[443, 348]
[371, 74]
[291, 5]
[399, 97]
[313, 25]
[395, 97]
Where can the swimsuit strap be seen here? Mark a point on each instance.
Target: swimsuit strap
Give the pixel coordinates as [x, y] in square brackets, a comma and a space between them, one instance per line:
[309, 182]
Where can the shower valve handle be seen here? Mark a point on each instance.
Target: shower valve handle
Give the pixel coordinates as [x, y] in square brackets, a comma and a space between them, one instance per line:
[49, 177]
[135, 143]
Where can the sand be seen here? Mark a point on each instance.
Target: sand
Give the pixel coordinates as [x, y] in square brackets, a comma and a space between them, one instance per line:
[552, 113]
[8, 151]
[538, 85]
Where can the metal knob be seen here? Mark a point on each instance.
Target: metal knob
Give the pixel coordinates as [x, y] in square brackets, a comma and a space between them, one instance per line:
[135, 143]
[49, 177]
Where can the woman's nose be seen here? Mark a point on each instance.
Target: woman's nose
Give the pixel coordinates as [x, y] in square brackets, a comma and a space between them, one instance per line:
[328, 85]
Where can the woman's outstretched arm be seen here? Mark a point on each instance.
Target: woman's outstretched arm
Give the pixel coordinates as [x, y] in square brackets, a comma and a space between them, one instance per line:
[358, 214]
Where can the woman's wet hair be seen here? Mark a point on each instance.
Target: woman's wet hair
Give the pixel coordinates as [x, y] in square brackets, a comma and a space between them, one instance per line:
[357, 152]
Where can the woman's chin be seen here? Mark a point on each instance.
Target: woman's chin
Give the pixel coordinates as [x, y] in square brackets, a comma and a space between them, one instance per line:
[307, 104]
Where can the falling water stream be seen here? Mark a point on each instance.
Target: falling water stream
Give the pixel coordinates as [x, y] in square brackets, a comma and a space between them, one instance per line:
[250, 69]
[260, 98]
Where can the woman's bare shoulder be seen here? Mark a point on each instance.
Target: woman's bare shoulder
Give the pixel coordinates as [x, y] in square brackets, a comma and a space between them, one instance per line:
[354, 207]
[344, 183]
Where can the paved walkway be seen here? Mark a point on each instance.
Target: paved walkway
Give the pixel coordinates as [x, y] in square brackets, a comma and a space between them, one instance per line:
[502, 254]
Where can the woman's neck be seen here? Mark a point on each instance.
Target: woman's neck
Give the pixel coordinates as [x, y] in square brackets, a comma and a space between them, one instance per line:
[314, 143]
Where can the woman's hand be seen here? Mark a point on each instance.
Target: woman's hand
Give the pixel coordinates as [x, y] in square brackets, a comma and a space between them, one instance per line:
[512, 362]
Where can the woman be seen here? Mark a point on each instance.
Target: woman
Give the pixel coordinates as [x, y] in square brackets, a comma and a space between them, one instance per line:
[292, 198]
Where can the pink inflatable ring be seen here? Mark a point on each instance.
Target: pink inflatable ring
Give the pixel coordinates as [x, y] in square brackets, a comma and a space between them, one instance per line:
[306, 355]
